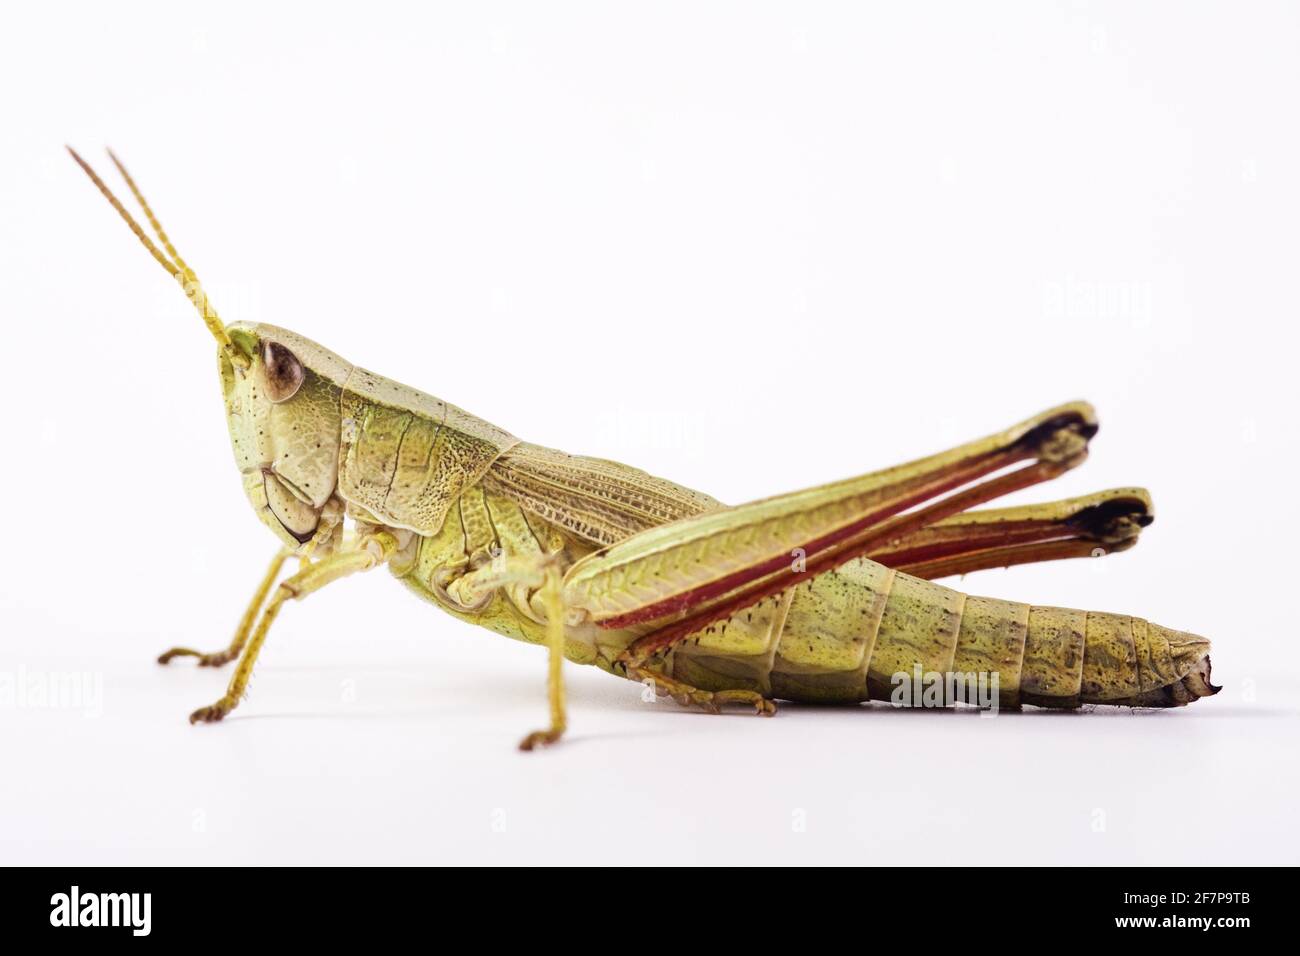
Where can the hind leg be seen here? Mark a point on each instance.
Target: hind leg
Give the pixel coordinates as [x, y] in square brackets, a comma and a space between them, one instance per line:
[1089, 526]
[707, 700]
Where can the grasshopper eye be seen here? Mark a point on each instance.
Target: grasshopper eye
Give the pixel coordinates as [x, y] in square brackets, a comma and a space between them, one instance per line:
[284, 372]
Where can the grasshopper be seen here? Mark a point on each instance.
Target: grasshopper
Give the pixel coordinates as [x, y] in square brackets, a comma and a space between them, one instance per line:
[820, 595]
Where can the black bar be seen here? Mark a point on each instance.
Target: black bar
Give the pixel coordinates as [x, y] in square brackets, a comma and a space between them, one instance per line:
[899, 907]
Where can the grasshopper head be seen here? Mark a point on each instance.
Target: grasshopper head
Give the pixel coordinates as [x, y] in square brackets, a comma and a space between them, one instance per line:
[282, 394]
[282, 407]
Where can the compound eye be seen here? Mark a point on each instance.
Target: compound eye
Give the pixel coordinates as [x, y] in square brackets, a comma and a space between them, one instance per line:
[284, 372]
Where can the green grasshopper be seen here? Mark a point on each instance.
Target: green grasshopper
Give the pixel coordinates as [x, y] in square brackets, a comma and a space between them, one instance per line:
[820, 595]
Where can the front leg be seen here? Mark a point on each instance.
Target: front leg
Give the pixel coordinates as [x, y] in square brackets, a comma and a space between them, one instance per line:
[330, 523]
[370, 551]
[228, 654]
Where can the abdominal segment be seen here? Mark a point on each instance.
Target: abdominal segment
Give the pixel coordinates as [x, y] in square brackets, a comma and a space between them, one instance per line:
[866, 632]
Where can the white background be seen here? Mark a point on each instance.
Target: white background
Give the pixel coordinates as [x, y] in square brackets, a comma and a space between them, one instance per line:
[750, 248]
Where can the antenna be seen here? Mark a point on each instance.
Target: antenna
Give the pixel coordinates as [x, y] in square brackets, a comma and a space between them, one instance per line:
[171, 260]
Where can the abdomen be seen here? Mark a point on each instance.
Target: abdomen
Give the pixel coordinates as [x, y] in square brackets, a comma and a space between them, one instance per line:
[866, 632]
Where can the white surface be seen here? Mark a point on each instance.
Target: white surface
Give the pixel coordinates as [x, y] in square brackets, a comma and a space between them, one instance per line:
[748, 249]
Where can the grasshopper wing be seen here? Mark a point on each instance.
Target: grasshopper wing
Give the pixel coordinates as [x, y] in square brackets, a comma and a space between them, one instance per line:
[600, 501]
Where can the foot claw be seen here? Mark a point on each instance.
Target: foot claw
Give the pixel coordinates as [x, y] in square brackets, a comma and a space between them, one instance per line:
[210, 714]
[205, 660]
[762, 706]
[543, 737]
